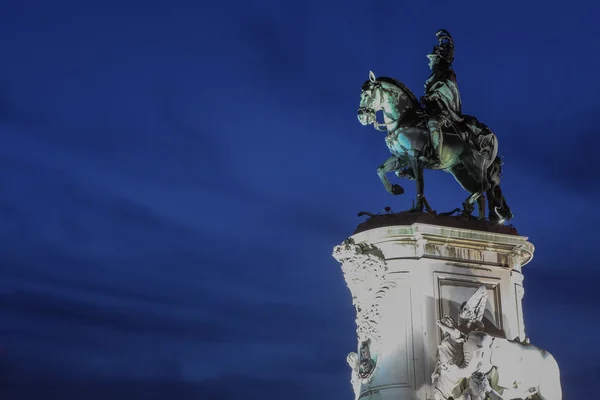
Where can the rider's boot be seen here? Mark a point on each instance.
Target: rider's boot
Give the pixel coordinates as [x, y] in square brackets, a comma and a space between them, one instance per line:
[435, 132]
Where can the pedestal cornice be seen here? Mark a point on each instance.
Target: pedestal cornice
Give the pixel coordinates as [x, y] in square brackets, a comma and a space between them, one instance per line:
[448, 238]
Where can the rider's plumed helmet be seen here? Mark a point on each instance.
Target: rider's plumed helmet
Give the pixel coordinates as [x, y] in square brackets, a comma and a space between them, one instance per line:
[445, 47]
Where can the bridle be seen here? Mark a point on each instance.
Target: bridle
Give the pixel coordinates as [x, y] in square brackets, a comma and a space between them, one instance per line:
[370, 111]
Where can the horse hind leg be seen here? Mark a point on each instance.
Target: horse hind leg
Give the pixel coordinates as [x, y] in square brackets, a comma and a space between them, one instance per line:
[499, 210]
[468, 205]
[418, 172]
[471, 185]
[481, 204]
[478, 166]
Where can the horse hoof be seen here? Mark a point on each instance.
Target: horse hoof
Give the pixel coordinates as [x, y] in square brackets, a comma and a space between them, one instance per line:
[397, 190]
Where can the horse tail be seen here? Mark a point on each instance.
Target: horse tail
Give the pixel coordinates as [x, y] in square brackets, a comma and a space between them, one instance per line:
[498, 207]
[492, 159]
[494, 148]
[495, 169]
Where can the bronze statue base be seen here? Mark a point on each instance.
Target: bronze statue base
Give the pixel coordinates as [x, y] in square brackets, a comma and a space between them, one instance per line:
[409, 218]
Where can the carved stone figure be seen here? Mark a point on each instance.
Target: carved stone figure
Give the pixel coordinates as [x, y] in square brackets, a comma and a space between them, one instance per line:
[479, 389]
[445, 378]
[366, 364]
[470, 316]
[362, 366]
[435, 135]
[450, 352]
[523, 369]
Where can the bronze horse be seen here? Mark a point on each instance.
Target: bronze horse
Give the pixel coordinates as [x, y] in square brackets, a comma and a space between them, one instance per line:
[476, 168]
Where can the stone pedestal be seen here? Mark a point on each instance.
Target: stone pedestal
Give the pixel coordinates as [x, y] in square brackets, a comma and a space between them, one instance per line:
[406, 271]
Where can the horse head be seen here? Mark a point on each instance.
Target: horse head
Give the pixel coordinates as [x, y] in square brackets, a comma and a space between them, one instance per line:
[387, 95]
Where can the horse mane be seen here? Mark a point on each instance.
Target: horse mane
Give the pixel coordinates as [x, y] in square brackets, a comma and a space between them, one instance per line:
[402, 86]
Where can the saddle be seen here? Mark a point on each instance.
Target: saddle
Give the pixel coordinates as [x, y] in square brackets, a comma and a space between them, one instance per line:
[476, 135]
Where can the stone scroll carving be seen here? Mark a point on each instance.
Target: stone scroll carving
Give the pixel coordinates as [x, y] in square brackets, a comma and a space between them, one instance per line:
[365, 274]
[511, 369]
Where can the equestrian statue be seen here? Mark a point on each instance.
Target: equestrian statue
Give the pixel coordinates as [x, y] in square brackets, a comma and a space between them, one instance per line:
[434, 134]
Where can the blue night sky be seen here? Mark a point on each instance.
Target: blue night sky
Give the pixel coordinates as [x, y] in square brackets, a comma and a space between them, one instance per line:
[174, 178]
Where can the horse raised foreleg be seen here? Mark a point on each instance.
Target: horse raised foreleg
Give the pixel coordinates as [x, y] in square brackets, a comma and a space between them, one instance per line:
[477, 184]
[391, 164]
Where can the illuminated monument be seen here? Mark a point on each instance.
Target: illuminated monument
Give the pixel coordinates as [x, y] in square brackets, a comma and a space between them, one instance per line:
[438, 297]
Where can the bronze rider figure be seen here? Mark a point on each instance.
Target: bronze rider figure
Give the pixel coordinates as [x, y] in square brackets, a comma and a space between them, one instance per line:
[442, 98]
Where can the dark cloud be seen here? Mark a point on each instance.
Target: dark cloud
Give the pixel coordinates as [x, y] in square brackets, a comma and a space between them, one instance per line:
[577, 161]
[120, 318]
[269, 43]
[152, 307]
[222, 388]
[562, 153]
[576, 383]
[573, 291]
